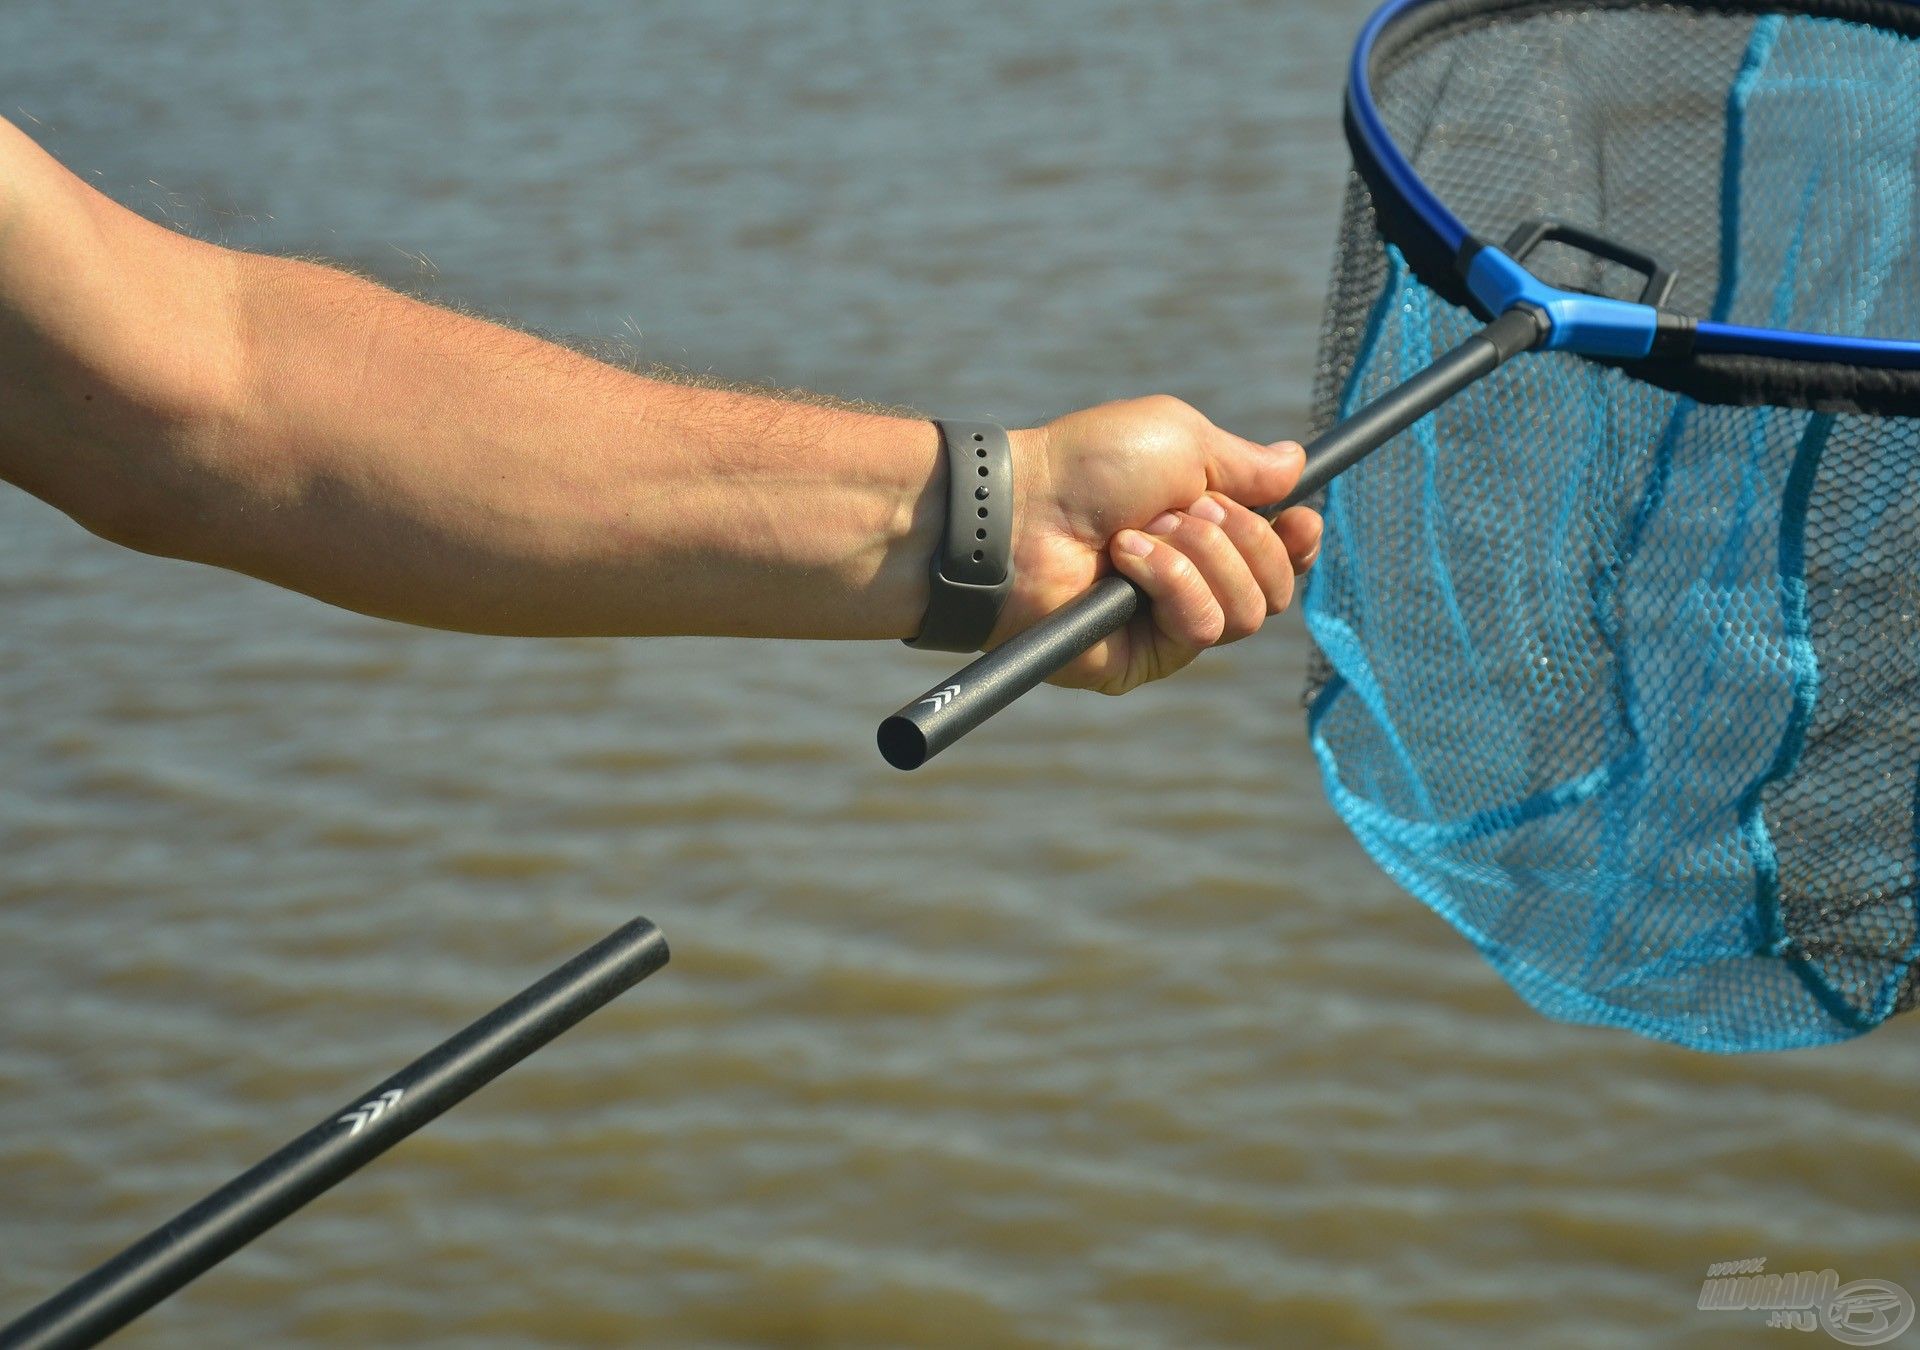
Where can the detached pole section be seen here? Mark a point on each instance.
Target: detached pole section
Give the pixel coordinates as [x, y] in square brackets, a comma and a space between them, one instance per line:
[100, 1303]
[944, 714]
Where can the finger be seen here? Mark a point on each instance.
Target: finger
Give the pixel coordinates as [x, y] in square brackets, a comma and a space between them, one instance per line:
[1248, 472]
[1259, 546]
[1199, 532]
[1184, 609]
[1299, 531]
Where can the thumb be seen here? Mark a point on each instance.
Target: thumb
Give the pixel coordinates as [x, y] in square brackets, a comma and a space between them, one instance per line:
[1250, 473]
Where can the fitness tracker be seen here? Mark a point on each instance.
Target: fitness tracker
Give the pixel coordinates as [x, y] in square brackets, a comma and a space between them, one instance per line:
[973, 567]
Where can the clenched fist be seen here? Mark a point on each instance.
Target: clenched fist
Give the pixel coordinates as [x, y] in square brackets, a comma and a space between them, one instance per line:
[1149, 487]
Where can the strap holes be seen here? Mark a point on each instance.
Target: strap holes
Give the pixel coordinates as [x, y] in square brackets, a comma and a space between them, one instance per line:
[980, 436]
[978, 556]
[983, 513]
[979, 534]
[982, 452]
[983, 471]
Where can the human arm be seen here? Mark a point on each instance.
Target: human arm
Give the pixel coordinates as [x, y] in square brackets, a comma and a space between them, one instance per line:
[307, 427]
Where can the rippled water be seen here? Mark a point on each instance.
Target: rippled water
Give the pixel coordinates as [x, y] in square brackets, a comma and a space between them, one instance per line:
[1097, 1032]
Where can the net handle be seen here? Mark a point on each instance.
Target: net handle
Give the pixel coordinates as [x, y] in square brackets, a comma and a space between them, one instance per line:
[193, 1241]
[945, 713]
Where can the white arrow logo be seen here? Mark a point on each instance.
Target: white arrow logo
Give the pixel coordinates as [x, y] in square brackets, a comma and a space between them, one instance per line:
[368, 1112]
[940, 698]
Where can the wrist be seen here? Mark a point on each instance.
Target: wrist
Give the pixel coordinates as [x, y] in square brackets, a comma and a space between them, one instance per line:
[1032, 488]
[896, 593]
[1036, 532]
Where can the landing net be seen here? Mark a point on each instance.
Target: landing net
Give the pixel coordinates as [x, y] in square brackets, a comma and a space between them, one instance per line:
[1619, 655]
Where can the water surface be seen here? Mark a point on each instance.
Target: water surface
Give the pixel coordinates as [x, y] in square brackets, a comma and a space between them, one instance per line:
[1098, 1032]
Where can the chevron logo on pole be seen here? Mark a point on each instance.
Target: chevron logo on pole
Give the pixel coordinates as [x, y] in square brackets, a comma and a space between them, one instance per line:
[366, 1113]
[940, 698]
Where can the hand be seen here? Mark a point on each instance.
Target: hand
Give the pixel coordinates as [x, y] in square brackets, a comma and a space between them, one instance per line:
[1151, 488]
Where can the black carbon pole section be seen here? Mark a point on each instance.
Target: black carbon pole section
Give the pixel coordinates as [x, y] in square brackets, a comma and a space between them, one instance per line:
[101, 1302]
[944, 714]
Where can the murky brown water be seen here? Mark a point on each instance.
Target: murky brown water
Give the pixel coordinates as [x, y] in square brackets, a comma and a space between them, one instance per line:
[1098, 1032]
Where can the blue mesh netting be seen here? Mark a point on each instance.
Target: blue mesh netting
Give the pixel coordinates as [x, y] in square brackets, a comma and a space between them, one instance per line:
[1627, 686]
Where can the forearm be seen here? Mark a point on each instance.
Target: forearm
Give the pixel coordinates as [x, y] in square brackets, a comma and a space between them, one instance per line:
[312, 429]
[431, 467]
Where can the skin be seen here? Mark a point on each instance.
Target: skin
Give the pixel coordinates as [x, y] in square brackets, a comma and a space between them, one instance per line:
[314, 430]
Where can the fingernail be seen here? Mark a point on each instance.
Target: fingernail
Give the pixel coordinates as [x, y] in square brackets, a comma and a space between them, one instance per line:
[1291, 454]
[1306, 563]
[1164, 523]
[1208, 509]
[1134, 544]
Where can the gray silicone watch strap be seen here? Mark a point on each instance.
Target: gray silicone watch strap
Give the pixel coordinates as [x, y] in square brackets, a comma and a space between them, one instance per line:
[973, 568]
